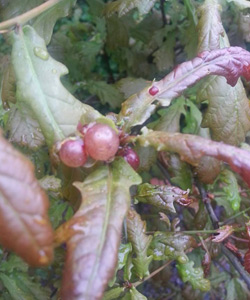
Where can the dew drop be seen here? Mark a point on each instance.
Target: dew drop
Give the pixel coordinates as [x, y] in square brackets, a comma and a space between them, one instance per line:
[41, 53]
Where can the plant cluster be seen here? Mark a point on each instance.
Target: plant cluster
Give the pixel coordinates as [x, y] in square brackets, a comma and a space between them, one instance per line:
[140, 189]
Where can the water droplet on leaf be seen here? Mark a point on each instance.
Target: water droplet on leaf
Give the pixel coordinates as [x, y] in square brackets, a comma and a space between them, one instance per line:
[41, 53]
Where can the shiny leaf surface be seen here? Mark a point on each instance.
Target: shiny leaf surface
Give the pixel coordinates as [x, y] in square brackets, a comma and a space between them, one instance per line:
[191, 148]
[140, 243]
[39, 87]
[93, 233]
[193, 275]
[162, 197]
[24, 224]
[231, 63]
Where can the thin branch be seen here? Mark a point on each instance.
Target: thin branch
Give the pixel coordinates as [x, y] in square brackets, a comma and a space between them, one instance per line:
[206, 200]
[153, 273]
[237, 265]
[230, 256]
[24, 18]
[164, 172]
[234, 216]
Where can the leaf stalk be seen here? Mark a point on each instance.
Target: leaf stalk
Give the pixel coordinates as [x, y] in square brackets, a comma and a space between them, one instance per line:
[25, 17]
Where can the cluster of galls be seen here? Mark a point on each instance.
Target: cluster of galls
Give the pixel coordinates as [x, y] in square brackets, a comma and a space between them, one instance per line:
[100, 142]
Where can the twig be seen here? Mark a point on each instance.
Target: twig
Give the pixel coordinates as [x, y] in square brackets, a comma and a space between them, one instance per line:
[237, 265]
[234, 216]
[24, 18]
[230, 256]
[153, 273]
[164, 172]
[164, 19]
[208, 205]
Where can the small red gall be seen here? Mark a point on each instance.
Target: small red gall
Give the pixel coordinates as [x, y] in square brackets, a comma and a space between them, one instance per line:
[130, 156]
[153, 90]
[101, 142]
[72, 152]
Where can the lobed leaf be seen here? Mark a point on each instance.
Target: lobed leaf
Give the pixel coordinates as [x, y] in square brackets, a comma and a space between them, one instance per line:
[122, 7]
[231, 63]
[193, 275]
[171, 245]
[140, 242]
[45, 22]
[229, 192]
[163, 196]
[24, 224]
[228, 113]
[40, 91]
[93, 233]
[179, 171]
[170, 117]
[192, 148]
[123, 254]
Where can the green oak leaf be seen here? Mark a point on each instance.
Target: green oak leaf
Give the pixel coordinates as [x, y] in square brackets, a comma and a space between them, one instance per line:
[162, 197]
[39, 88]
[193, 275]
[228, 114]
[140, 243]
[171, 245]
[227, 194]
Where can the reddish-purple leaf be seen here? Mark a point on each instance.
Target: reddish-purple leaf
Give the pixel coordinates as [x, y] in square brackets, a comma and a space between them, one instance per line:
[191, 148]
[24, 224]
[93, 234]
[231, 63]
